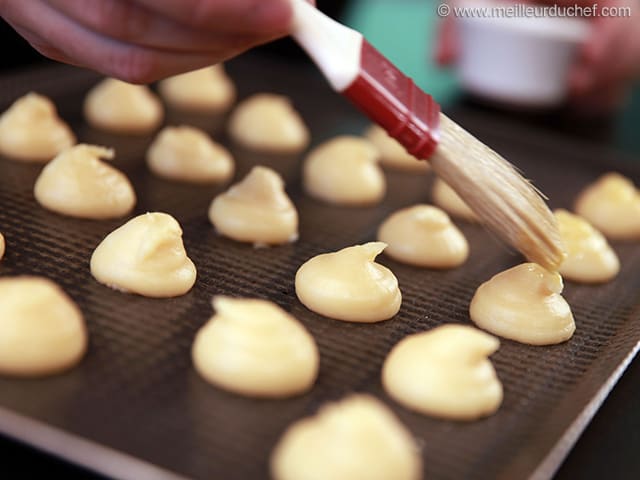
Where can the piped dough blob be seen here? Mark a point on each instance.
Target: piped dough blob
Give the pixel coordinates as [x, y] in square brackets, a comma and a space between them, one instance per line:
[348, 285]
[446, 198]
[254, 348]
[357, 438]
[392, 153]
[612, 205]
[445, 372]
[2, 246]
[145, 256]
[269, 123]
[256, 210]
[424, 236]
[344, 171]
[590, 258]
[78, 183]
[188, 154]
[122, 107]
[524, 304]
[208, 89]
[32, 131]
[42, 331]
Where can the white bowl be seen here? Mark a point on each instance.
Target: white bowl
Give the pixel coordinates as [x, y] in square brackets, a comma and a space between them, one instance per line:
[519, 61]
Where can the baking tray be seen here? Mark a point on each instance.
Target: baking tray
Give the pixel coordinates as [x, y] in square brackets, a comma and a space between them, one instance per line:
[135, 408]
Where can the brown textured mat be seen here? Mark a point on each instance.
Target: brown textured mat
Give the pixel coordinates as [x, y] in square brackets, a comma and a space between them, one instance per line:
[135, 408]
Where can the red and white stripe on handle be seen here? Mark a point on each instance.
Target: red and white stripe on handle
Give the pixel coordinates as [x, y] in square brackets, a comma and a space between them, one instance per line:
[361, 73]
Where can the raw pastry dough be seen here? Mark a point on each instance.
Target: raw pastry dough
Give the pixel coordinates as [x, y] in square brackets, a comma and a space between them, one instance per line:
[446, 198]
[189, 154]
[392, 153]
[145, 256]
[206, 90]
[32, 131]
[254, 348]
[612, 205]
[79, 184]
[268, 122]
[357, 438]
[122, 107]
[256, 210]
[348, 285]
[2, 246]
[524, 304]
[344, 171]
[589, 259]
[445, 372]
[42, 331]
[423, 235]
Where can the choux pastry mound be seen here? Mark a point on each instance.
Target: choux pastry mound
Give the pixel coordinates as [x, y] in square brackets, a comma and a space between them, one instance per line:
[79, 184]
[2, 246]
[344, 171]
[524, 304]
[446, 198]
[589, 259]
[188, 154]
[445, 372]
[42, 331]
[122, 107]
[424, 236]
[145, 256]
[256, 210]
[208, 89]
[268, 123]
[254, 348]
[612, 205]
[348, 285]
[392, 153]
[32, 131]
[357, 438]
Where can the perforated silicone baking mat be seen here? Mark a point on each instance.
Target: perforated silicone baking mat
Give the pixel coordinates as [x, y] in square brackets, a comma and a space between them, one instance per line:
[136, 409]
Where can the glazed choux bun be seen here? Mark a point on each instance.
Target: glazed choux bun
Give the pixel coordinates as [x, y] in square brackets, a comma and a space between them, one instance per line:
[357, 438]
[612, 205]
[524, 304]
[79, 184]
[392, 153]
[424, 236]
[190, 155]
[446, 198]
[344, 171]
[268, 123]
[32, 131]
[589, 259]
[253, 347]
[42, 331]
[145, 256]
[256, 210]
[348, 285]
[208, 89]
[122, 107]
[445, 372]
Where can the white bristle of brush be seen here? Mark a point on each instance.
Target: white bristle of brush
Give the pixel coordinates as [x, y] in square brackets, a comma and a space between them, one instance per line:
[505, 202]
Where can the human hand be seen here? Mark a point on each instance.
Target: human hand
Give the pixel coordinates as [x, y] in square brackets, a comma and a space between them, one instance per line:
[606, 64]
[144, 40]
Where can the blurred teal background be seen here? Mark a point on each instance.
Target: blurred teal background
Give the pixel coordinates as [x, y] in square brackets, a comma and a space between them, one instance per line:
[405, 31]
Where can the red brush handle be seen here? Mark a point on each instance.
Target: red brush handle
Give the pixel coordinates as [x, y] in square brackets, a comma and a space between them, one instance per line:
[393, 101]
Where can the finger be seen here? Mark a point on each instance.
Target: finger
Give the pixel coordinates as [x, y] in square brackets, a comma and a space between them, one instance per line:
[242, 16]
[111, 57]
[446, 49]
[130, 22]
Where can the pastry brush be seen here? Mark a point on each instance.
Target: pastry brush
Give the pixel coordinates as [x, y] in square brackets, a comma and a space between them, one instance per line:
[505, 202]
